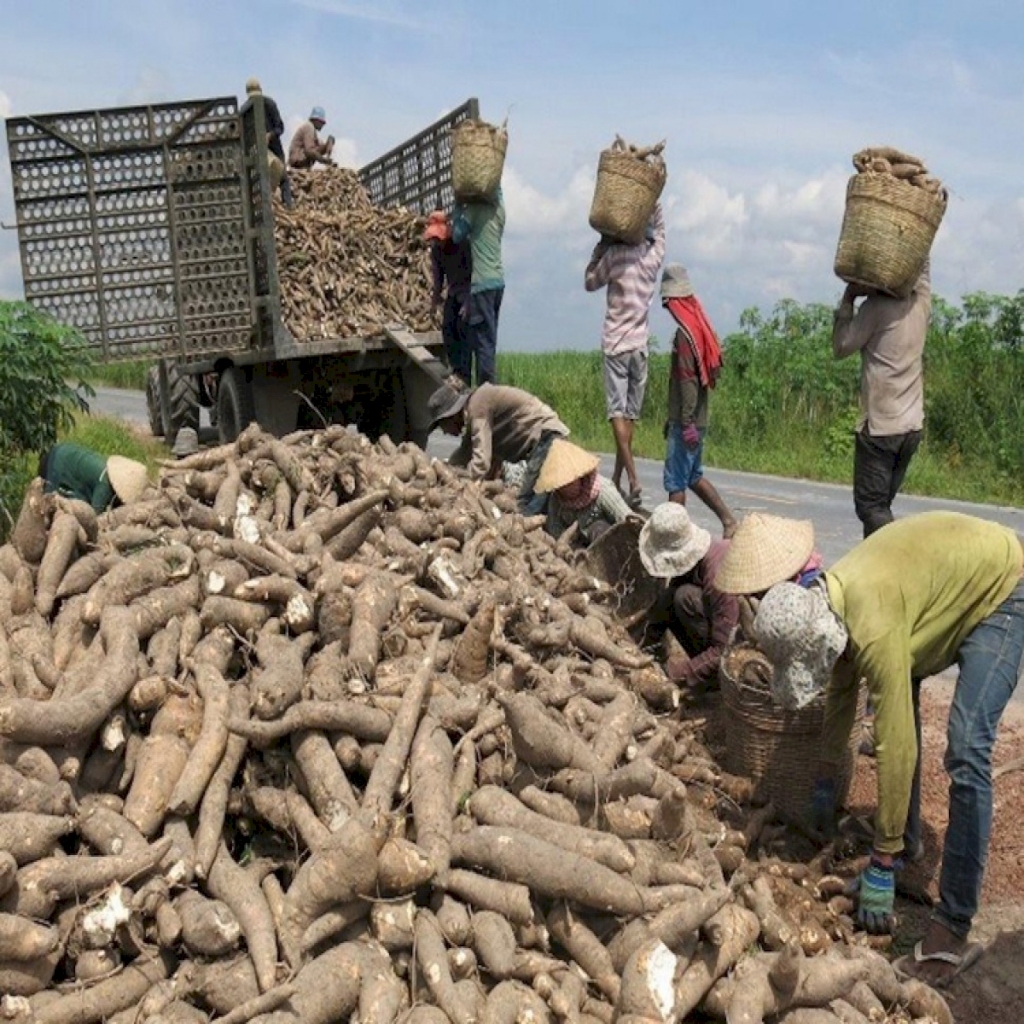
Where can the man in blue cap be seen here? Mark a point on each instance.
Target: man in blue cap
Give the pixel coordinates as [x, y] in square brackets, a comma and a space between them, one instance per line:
[306, 148]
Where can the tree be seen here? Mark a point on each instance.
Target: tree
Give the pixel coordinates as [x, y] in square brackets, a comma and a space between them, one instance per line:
[43, 366]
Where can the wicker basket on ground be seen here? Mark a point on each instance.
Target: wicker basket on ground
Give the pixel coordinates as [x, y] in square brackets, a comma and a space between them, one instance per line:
[478, 158]
[615, 558]
[889, 224]
[629, 183]
[778, 749]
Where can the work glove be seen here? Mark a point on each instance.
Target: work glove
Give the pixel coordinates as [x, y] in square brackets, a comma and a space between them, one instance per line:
[823, 806]
[691, 436]
[876, 894]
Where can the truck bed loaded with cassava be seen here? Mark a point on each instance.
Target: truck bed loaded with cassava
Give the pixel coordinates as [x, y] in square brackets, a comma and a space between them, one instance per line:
[152, 229]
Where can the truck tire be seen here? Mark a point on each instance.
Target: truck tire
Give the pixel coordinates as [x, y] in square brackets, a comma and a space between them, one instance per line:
[183, 391]
[235, 408]
[156, 416]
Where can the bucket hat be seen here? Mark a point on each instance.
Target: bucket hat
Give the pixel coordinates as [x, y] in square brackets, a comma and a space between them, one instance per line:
[317, 114]
[253, 85]
[675, 282]
[764, 550]
[447, 401]
[127, 477]
[801, 635]
[671, 543]
[565, 462]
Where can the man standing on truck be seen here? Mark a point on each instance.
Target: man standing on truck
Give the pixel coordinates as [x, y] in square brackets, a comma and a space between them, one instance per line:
[275, 131]
[306, 148]
[498, 424]
[483, 223]
[630, 273]
[451, 266]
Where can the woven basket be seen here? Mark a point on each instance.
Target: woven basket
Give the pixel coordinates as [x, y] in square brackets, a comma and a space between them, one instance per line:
[478, 158]
[780, 749]
[627, 189]
[887, 232]
[615, 558]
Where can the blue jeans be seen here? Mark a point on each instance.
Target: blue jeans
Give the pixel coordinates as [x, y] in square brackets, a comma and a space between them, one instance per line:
[684, 466]
[455, 332]
[990, 663]
[484, 308]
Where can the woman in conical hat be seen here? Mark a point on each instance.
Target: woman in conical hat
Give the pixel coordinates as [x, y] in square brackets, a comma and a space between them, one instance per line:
[577, 493]
[78, 472]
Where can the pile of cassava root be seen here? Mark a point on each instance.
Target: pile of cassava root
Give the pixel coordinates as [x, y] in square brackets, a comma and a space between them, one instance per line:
[347, 267]
[320, 731]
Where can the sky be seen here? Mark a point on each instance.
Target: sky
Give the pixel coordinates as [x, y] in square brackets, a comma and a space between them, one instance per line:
[762, 103]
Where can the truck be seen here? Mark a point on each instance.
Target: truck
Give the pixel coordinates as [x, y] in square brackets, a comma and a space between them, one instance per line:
[150, 229]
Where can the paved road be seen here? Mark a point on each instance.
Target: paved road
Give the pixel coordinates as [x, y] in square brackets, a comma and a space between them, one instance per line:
[830, 506]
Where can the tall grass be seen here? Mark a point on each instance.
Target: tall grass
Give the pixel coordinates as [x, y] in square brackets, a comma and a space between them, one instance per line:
[784, 406]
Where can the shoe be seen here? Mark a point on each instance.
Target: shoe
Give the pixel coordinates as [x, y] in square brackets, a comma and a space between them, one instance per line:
[905, 965]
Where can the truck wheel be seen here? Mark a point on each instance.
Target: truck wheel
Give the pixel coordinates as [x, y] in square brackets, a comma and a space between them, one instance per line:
[156, 417]
[183, 390]
[235, 409]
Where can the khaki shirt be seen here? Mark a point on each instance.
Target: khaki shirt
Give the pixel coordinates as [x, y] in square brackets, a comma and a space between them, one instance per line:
[890, 335]
[305, 147]
[503, 424]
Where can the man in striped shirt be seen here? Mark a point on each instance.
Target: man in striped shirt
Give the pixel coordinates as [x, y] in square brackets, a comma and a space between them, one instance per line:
[630, 273]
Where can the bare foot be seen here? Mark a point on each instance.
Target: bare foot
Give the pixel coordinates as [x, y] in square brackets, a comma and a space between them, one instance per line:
[728, 528]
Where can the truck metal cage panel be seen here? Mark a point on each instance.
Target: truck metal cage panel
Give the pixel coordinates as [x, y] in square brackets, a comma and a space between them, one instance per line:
[417, 174]
[131, 226]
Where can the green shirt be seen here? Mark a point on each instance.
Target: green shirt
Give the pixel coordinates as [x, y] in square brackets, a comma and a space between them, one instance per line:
[909, 595]
[483, 224]
[78, 472]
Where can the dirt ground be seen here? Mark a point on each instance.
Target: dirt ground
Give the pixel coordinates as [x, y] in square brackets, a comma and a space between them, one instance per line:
[992, 991]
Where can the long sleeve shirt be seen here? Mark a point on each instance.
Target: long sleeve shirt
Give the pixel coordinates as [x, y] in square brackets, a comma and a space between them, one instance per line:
[483, 224]
[81, 473]
[306, 148]
[503, 424]
[608, 507]
[630, 273]
[451, 263]
[889, 334]
[687, 397]
[908, 596]
[722, 611]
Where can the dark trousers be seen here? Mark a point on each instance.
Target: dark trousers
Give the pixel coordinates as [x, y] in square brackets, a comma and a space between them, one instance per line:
[879, 466]
[682, 608]
[484, 308]
[455, 332]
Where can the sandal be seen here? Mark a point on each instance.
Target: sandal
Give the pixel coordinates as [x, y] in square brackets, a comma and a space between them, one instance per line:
[960, 962]
[635, 499]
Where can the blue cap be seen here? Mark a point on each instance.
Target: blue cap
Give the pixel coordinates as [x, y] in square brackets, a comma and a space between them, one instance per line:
[318, 114]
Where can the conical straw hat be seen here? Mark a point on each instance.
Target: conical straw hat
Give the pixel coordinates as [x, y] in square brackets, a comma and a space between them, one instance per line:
[765, 550]
[127, 477]
[565, 462]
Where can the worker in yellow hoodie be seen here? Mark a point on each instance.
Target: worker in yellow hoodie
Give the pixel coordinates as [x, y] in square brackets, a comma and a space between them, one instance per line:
[912, 599]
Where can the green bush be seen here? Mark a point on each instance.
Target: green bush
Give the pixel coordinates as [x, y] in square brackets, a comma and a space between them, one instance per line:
[43, 370]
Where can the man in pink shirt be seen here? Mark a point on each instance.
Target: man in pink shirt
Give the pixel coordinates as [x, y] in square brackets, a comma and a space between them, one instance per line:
[630, 273]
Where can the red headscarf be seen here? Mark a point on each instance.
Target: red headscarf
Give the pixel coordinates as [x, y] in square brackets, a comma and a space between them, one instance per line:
[690, 315]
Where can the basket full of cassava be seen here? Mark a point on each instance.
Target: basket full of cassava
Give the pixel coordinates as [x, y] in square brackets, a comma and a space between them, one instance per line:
[478, 158]
[629, 182]
[776, 748]
[893, 209]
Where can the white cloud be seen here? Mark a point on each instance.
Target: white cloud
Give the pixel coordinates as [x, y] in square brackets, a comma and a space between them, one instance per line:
[377, 12]
[531, 212]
